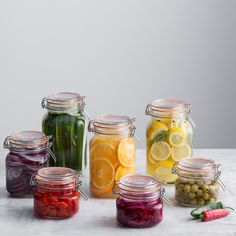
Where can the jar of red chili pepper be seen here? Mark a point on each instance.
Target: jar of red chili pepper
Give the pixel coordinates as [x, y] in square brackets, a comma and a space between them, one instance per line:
[29, 151]
[56, 192]
[198, 181]
[139, 203]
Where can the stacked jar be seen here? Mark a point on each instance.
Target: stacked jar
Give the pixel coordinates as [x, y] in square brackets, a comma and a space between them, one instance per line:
[66, 123]
[169, 137]
[197, 182]
[29, 151]
[112, 152]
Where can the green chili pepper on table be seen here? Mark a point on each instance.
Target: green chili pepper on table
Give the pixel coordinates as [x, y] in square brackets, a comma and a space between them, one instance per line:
[196, 213]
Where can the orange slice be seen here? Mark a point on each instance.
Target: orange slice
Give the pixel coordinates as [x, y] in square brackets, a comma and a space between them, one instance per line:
[104, 151]
[126, 152]
[122, 171]
[102, 174]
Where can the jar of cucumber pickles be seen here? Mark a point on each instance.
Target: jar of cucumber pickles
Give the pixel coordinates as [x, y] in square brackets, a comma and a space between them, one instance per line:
[198, 181]
[169, 136]
[112, 152]
[66, 123]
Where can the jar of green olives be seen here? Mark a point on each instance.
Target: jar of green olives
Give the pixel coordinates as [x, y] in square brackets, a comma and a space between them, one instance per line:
[198, 181]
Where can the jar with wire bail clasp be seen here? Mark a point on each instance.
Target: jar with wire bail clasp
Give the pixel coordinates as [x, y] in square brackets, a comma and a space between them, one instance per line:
[169, 136]
[140, 201]
[57, 192]
[65, 121]
[112, 152]
[28, 152]
[198, 181]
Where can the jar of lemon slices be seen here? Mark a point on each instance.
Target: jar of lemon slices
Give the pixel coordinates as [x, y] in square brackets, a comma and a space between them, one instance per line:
[169, 136]
[112, 152]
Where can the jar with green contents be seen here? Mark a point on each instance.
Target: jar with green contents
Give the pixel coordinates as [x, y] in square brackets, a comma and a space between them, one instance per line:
[169, 136]
[198, 181]
[66, 123]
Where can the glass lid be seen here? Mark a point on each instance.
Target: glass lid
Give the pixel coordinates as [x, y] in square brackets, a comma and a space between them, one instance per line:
[26, 139]
[112, 120]
[197, 162]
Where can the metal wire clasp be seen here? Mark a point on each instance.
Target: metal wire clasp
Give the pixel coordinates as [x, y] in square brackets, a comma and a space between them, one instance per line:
[6, 143]
[78, 186]
[165, 199]
[147, 110]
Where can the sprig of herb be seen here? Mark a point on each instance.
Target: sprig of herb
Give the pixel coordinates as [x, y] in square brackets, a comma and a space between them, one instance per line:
[159, 137]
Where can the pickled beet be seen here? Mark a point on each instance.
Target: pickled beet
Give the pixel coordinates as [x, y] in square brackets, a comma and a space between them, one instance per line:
[138, 213]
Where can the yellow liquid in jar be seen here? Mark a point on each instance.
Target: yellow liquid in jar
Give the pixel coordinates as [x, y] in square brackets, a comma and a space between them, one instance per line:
[168, 141]
[110, 159]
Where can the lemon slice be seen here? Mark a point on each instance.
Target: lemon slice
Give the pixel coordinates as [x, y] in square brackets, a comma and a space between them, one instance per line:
[155, 129]
[177, 137]
[126, 152]
[179, 153]
[102, 174]
[122, 171]
[163, 172]
[160, 151]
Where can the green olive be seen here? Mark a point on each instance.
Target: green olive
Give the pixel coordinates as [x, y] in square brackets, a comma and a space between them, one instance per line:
[205, 188]
[187, 188]
[199, 183]
[205, 196]
[194, 188]
[193, 201]
[212, 200]
[180, 188]
[199, 193]
[191, 195]
[201, 201]
[212, 189]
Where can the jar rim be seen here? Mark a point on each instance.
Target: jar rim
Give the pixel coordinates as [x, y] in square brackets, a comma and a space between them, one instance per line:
[62, 101]
[26, 140]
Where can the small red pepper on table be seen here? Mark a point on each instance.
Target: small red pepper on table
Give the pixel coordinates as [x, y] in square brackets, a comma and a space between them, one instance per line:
[213, 214]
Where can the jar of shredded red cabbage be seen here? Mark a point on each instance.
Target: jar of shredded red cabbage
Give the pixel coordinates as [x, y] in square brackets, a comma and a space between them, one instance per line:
[29, 151]
[139, 203]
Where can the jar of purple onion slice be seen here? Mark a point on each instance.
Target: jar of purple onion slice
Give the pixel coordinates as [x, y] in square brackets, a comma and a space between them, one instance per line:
[28, 152]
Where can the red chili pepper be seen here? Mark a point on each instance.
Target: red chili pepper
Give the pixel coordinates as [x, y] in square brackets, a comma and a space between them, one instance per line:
[213, 214]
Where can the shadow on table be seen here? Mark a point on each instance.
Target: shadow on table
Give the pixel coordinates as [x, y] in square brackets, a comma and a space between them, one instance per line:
[3, 193]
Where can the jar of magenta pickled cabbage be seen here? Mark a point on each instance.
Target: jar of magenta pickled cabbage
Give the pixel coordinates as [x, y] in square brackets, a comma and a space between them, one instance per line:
[57, 192]
[65, 121]
[29, 151]
[139, 203]
[198, 181]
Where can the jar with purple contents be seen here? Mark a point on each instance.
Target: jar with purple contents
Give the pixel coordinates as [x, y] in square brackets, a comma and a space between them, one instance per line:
[28, 152]
[139, 203]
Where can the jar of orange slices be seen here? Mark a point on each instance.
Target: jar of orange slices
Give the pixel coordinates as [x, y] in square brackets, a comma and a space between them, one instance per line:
[112, 152]
[169, 136]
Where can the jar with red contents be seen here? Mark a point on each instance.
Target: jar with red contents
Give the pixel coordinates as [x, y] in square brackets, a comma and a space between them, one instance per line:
[29, 151]
[57, 192]
[140, 201]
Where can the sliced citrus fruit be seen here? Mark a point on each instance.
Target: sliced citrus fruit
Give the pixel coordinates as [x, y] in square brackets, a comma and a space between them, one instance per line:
[102, 173]
[155, 128]
[163, 172]
[160, 151]
[105, 151]
[179, 153]
[122, 171]
[126, 152]
[177, 137]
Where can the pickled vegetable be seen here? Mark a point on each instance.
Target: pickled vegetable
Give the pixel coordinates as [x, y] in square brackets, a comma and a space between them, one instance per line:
[195, 193]
[110, 159]
[139, 213]
[168, 141]
[68, 139]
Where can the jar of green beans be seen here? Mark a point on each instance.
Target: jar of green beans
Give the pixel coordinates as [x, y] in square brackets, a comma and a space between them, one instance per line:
[66, 123]
[198, 181]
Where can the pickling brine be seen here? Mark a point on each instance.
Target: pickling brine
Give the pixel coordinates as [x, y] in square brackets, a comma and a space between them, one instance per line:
[169, 137]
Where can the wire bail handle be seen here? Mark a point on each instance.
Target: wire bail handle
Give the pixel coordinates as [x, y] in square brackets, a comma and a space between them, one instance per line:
[165, 199]
[78, 184]
[6, 143]
[147, 110]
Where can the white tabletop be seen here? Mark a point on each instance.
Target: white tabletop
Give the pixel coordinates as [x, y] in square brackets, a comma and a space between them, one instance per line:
[98, 216]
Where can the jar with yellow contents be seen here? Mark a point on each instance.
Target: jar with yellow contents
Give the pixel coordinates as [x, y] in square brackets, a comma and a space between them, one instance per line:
[112, 152]
[169, 136]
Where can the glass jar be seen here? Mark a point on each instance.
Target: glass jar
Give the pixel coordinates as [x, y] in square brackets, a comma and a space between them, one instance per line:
[169, 136]
[56, 192]
[29, 151]
[112, 152]
[197, 182]
[139, 202]
[66, 123]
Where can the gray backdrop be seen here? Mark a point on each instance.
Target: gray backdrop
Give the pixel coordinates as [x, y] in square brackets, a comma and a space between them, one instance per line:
[121, 55]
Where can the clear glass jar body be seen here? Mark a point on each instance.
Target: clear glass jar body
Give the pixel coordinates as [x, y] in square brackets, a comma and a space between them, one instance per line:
[112, 155]
[66, 123]
[197, 182]
[139, 203]
[28, 153]
[168, 139]
[55, 198]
